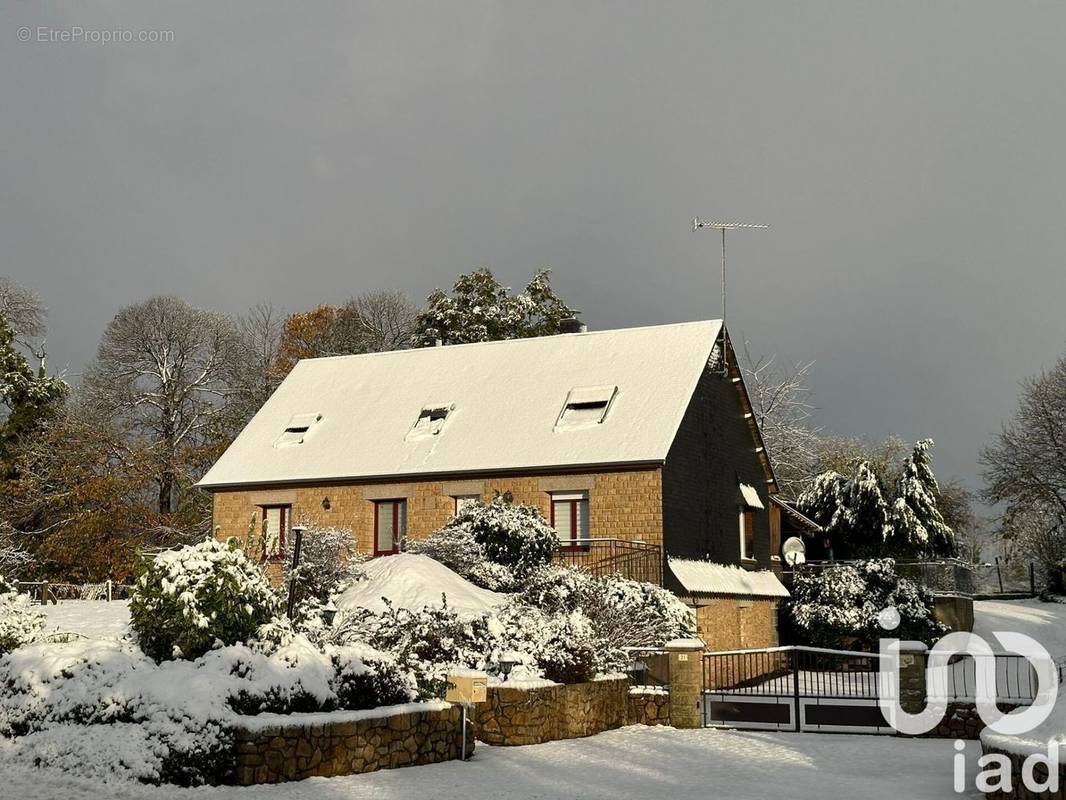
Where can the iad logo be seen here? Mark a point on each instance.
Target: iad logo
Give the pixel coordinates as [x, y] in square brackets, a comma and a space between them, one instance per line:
[938, 678]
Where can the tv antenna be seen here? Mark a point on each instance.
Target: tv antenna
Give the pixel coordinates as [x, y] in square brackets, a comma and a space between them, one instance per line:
[699, 224]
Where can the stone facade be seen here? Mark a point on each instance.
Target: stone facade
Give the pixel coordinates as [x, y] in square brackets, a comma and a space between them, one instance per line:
[648, 706]
[292, 752]
[623, 504]
[729, 623]
[961, 721]
[517, 716]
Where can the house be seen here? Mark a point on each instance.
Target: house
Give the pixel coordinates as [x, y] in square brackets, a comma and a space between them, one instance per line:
[636, 444]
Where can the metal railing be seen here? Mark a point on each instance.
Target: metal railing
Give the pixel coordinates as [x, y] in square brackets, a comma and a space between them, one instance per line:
[637, 561]
[648, 666]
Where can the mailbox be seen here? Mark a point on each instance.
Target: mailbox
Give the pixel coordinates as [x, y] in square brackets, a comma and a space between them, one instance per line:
[467, 687]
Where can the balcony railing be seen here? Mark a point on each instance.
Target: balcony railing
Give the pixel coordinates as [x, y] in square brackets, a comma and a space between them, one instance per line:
[637, 561]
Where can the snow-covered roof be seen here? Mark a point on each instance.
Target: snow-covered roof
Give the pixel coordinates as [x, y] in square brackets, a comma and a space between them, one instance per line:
[750, 497]
[493, 406]
[706, 577]
[414, 581]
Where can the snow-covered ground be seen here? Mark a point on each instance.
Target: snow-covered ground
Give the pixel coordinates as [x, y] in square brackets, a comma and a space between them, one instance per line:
[94, 619]
[631, 762]
[1045, 622]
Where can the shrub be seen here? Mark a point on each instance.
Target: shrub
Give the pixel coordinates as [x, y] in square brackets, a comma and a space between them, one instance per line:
[570, 651]
[6, 586]
[20, 623]
[514, 536]
[329, 562]
[839, 606]
[456, 547]
[623, 613]
[189, 600]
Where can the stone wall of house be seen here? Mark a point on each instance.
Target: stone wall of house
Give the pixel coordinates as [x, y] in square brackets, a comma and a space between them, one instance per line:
[729, 623]
[518, 716]
[1018, 790]
[325, 748]
[648, 706]
[623, 504]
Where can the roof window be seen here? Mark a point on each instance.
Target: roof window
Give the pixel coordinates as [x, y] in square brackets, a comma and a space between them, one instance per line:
[430, 420]
[585, 407]
[296, 431]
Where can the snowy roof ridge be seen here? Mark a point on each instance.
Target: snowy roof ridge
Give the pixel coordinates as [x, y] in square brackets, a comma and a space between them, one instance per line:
[507, 397]
[708, 577]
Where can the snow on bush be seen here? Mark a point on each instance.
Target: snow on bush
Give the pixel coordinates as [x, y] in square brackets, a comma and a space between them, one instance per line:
[483, 537]
[105, 710]
[188, 600]
[329, 563]
[456, 548]
[431, 641]
[624, 613]
[838, 606]
[20, 623]
[6, 586]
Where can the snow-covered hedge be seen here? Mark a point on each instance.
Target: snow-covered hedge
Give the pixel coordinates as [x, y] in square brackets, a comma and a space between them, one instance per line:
[493, 544]
[624, 613]
[20, 623]
[191, 599]
[432, 641]
[839, 606]
[105, 710]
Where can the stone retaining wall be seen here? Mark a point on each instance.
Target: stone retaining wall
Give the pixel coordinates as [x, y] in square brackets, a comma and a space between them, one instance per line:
[1018, 790]
[648, 707]
[348, 743]
[961, 721]
[518, 716]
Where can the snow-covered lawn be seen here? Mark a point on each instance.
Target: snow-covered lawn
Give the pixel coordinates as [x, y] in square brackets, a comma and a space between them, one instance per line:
[632, 762]
[94, 619]
[1045, 622]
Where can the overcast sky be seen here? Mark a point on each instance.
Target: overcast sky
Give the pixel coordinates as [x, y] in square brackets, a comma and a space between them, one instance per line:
[909, 157]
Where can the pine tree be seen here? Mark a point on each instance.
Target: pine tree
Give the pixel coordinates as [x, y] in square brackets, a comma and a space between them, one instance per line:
[30, 397]
[864, 524]
[825, 502]
[916, 526]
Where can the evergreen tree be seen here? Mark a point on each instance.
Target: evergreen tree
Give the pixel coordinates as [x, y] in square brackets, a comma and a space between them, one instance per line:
[482, 310]
[865, 516]
[30, 397]
[916, 525]
[825, 502]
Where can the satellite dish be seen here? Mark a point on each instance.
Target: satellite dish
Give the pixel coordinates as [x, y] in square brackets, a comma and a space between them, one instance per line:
[795, 551]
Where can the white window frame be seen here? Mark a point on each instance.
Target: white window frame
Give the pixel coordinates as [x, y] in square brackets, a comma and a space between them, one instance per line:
[744, 554]
[463, 500]
[578, 539]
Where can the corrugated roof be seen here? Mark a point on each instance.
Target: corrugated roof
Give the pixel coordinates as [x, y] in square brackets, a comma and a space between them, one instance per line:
[505, 401]
[707, 577]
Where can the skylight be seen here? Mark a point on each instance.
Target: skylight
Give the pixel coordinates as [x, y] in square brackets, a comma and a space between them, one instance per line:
[296, 431]
[430, 420]
[585, 407]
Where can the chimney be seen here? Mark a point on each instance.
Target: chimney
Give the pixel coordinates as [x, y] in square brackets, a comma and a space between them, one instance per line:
[572, 325]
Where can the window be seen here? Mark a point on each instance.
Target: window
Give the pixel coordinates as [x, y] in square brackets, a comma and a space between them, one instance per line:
[585, 407]
[390, 526]
[275, 531]
[296, 431]
[464, 500]
[747, 533]
[570, 518]
[430, 421]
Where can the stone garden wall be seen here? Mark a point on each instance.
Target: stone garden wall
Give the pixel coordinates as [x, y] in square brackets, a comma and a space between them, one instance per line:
[517, 716]
[648, 705]
[347, 743]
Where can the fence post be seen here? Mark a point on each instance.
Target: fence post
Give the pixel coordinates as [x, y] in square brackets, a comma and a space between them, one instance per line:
[686, 682]
[913, 690]
[1032, 579]
[999, 575]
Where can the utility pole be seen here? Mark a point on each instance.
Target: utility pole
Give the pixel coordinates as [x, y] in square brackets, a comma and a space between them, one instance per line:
[699, 224]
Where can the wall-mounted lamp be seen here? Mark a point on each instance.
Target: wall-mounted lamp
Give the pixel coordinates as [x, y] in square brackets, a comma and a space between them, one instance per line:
[325, 503]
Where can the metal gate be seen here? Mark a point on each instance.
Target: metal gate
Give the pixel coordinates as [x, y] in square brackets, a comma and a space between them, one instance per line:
[793, 689]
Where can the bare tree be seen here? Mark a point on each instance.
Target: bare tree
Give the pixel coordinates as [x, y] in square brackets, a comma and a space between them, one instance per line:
[1026, 464]
[23, 310]
[780, 399]
[374, 322]
[160, 372]
[253, 371]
